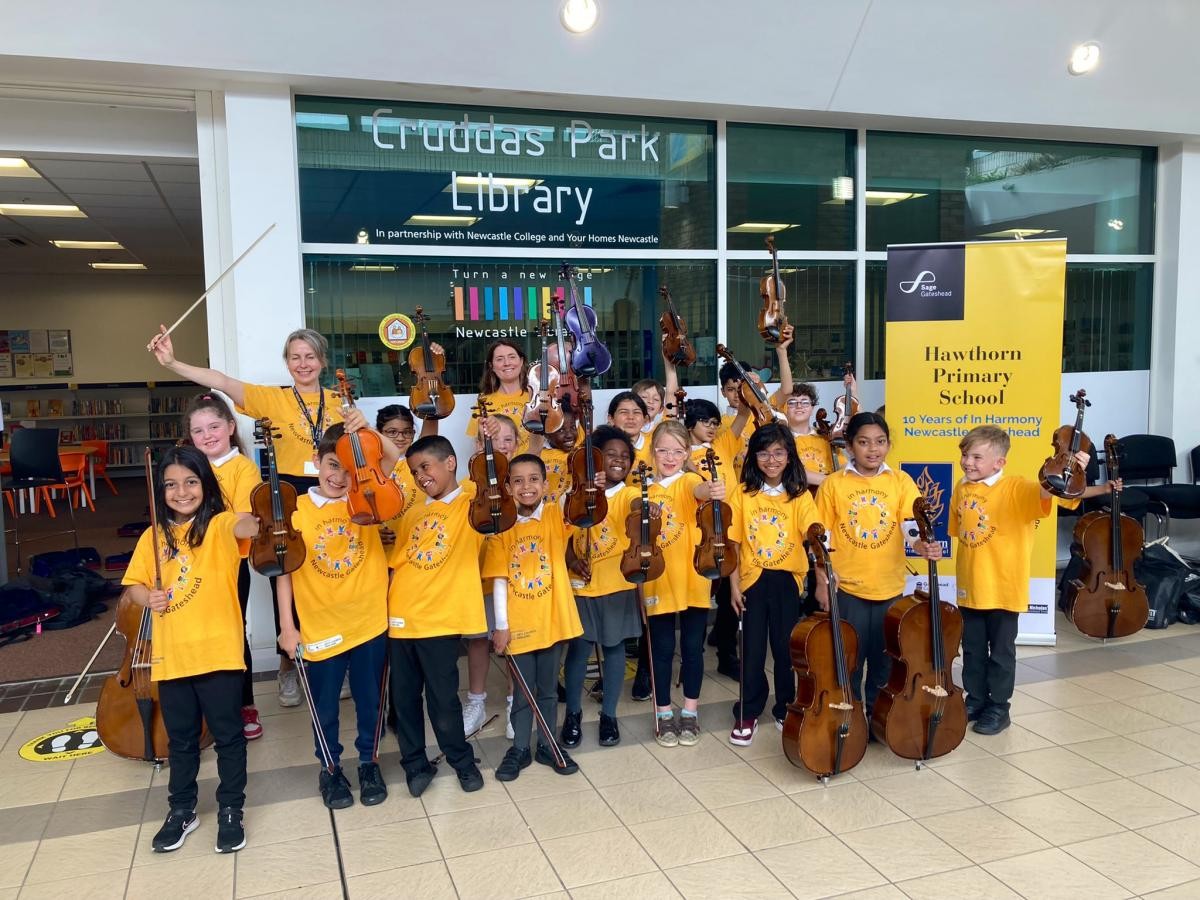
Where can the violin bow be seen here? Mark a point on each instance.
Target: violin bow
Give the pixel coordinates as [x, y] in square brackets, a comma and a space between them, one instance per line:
[154, 535]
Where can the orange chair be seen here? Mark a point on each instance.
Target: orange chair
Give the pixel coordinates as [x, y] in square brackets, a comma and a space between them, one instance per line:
[99, 461]
[74, 466]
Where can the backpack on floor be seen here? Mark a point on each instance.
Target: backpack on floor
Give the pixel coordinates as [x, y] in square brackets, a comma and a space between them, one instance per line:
[22, 610]
[1164, 573]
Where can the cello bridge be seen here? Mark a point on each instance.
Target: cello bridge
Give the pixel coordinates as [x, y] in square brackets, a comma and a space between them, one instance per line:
[937, 690]
[844, 707]
[1117, 586]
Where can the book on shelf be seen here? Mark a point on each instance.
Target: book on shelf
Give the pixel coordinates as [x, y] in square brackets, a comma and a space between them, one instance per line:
[54, 408]
[33, 409]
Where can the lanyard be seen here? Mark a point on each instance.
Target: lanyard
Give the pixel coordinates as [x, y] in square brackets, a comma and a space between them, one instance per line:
[313, 427]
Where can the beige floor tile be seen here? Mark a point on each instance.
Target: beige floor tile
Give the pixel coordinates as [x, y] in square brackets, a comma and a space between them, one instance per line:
[1180, 784]
[9, 893]
[848, 806]
[1114, 686]
[770, 823]
[598, 856]
[767, 743]
[1163, 677]
[964, 752]
[39, 783]
[1060, 767]
[619, 765]
[726, 785]
[1129, 804]
[1135, 863]
[207, 877]
[923, 793]
[708, 753]
[445, 796]
[282, 754]
[993, 780]
[285, 866]
[269, 823]
[651, 886]
[880, 762]
[14, 862]
[1189, 891]
[1123, 756]
[974, 883]
[705, 839]
[1175, 741]
[1188, 665]
[1023, 704]
[542, 781]
[789, 778]
[1061, 693]
[328, 890]
[982, 834]
[429, 881]
[577, 813]
[83, 854]
[1053, 875]
[1119, 718]
[924, 853]
[1061, 727]
[729, 877]
[841, 869]
[476, 830]
[505, 874]
[97, 886]
[1170, 708]
[1057, 817]
[109, 778]
[396, 844]
[1181, 836]
[643, 801]
[883, 892]
[398, 807]
[1013, 739]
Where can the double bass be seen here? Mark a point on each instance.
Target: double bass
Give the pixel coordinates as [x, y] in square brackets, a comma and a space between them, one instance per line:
[586, 505]
[1061, 474]
[1106, 601]
[753, 395]
[715, 557]
[920, 713]
[430, 397]
[278, 548]
[676, 346]
[824, 730]
[771, 318]
[642, 560]
[590, 358]
[493, 508]
[373, 496]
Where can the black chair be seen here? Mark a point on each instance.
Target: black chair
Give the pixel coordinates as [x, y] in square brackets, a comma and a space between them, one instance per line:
[35, 464]
[1151, 457]
[1134, 501]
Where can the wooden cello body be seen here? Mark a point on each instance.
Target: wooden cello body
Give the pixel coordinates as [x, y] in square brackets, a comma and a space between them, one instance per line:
[921, 713]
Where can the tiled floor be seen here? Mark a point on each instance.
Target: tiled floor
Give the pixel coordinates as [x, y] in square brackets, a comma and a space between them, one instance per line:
[1093, 792]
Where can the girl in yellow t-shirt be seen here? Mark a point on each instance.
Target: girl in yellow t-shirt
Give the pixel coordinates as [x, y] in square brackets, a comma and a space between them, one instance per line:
[505, 386]
[197, 636]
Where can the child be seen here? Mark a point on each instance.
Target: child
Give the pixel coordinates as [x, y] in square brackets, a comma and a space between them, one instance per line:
[863, 508]
[341, 594]
[607, 603]
[396, 423]
[815, 452]
[561, 443]
[703, 420]
[197, 635]
[535, 612]
[627, 411]
[772, 511]
[654, 396]
[731, 379]
[212, 429]
[434, 598]
[680, 589]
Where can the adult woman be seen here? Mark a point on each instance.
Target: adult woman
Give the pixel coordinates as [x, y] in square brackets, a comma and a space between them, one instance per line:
[505, 386]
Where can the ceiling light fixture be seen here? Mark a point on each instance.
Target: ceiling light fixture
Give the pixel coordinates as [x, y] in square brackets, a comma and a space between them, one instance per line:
[49, 210]
[887, 198]
[88, 245]
[117, 266]
[761, 227]
[1116, 224]
[474, 181]
[370, 268]
[1019, 233]
[15, 167]
[448, 221]
[579, 16]
[1084, 58]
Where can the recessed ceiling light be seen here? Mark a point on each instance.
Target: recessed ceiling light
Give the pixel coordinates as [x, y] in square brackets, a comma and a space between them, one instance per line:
[761, 227]
[125, 266]
[1019, 233]
[579, 16]
[1084, 58]
[88, 245]
[50, 210]
[887, 198]
[1116, 224]
[372, 268]
[15, 167]
[473, 181]
[442, 220]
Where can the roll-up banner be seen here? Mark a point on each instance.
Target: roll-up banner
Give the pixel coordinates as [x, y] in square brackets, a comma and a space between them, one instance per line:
[974, 337]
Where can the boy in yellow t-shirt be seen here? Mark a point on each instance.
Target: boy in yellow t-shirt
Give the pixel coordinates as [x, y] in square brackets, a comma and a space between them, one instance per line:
[535, 610]
[815, 452]
[340, 597]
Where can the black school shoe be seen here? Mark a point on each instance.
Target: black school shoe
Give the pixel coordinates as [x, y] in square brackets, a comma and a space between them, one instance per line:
[992, 720]
[371, 789]
[610, 734]
[546, 758]
[335, 789]
[974, 712]
[469, 778]
[231, 836]
[572, 732]
[514, 761]
[178, 825]
[419, 780]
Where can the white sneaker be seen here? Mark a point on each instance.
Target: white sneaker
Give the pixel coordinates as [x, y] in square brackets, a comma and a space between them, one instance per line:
[345, 693]
[473, 715]
[289, 688]
[508, 729]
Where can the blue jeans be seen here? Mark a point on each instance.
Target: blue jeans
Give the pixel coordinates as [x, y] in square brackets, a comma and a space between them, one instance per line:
[365, 663]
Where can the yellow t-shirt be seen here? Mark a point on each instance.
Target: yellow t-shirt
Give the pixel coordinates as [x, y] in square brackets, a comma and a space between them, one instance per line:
[608, 541]
[643, 451]
[732, 448]
[681, 585]
[435, 587]
[511, 405]
[995, 527]
[863, 518]
[816, 454]
[532, 556]
[769, 531]
[202, 630]
[238, 476]
[403, 477]
[294, 447]
[341, 590]
[558, 476]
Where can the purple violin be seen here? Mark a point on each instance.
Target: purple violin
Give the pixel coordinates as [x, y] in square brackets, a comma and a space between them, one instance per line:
[590, 357]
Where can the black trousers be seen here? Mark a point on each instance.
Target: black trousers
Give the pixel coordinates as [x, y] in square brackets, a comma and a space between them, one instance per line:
[772, 611]
[692, 621]
[867, 618]
[214, 698]
[723, 634]
[429, 666]
[539, 668]
[989, 645]
[243, 589]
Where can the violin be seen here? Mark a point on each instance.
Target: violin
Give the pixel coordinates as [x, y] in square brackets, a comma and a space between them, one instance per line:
[753, 395]
[1106, 601]
[543, 417]
[568, 384]
[493, 509]
[679, 407]
[1061, 474]
[824, 730]
[771, 318]
[845, 408]
[373, 496]
[642, 560]
[430, 398]
[920, 713]
[714, 558]
[676, 346]
[586, 505]
[278, 548]
[590, 358]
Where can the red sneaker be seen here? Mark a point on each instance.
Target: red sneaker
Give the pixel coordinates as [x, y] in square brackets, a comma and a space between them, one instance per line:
[743, 732]
[251, 727]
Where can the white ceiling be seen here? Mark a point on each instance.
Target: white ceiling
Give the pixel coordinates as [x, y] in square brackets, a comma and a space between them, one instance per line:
[150, 205]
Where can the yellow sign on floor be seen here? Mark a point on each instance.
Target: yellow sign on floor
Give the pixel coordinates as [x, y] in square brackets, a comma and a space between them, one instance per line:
[78, 738]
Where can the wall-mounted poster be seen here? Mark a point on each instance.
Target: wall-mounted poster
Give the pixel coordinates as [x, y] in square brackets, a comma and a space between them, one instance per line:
[22, 365]
[4, 345]
[6, 365]
[59, 340]
[38, 342]
[63, 364]
[18, 341]
[43, 364]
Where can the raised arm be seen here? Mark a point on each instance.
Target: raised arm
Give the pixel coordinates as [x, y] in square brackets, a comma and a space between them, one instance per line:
[164, 352]
[785, 365]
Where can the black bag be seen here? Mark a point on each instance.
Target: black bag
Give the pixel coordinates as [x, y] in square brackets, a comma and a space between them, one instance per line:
[1189, 599]
[22, 609]
[49, 564]
[1163, 572]
[80, 593]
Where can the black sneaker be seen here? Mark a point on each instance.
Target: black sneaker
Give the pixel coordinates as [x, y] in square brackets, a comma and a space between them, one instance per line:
[546, 758]
[335, 789]
[610, 734]
[178, 825]
[419, 780]
[371, 789]
[974, 712]
[572, 733]
[992, 720]
[514, 761]
[469, 778]
[641, 686]
[231, 836]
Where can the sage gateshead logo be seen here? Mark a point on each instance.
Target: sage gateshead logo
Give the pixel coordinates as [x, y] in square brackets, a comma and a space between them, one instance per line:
[926, 283]
[925, 277]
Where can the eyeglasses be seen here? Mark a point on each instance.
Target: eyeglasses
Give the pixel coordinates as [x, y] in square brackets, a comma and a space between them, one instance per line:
[669, 453]
[771, 455]
[802, 402]
[399, 432]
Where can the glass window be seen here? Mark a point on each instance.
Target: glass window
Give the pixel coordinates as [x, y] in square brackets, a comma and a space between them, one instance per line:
[470, 303]
[929, 188]
[377, 171]
[795, 183]
[820, 306]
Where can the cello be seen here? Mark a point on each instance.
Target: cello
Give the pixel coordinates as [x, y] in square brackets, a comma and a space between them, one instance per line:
[492, 509]
[278, 548]
[920, 713]
[1061, 474]
[590, 357]
[586, 505]
[676, 346]
[753, 396]
[430, 397]
[1106, 601]
[714, 558]
[373, 496]
[543, 417]
[771, 318]
[642, 560]
[824, 730]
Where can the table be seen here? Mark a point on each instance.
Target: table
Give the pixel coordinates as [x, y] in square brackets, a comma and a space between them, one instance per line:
[63, 449]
